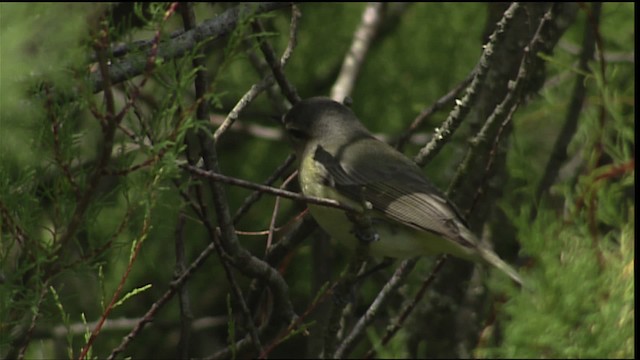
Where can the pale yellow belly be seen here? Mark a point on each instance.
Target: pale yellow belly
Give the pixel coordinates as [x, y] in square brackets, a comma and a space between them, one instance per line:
[395, 240]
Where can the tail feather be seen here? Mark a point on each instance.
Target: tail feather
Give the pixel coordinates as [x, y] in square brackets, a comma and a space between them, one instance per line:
[493, 259]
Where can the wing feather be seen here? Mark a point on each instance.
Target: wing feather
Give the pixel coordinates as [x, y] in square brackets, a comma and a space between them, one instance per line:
[393, 185]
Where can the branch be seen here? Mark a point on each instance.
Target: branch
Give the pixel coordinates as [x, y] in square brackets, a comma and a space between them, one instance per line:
[208, 153]
[155, 307]
[288, 90]
[251, 199]
[146, 226]
[609, 57]
[389, 288]
[242, 259]
[134, 63]
[342, 291]
[464, 105]
[559, 153]
[186, 315]
[266, 189]
[246, 99]
[124, 324]
[109, 124]
[426, 113]
[293, 34]
[393, 329]
[362, 38]
[510, 102]
[37, 311]
[300, 231]
[265, 83]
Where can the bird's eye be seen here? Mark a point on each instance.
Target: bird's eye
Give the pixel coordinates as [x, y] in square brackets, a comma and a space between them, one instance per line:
[297, 134]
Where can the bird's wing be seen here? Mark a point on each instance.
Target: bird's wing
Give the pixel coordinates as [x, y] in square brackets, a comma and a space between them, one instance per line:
[393, 185]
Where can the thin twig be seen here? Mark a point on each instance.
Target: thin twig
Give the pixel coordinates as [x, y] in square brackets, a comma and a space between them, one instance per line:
[396, 325]
[207, 147]
[260, 131]
[109, 124]
[186, 315]
[266, 82]
[492, 155]
[299, 232]
[608, 57]
[342, 292]
[266, 189]
[149, 65]
[428, 112]
[322, 296]
[365, 320]
[119, 325]
[559, 153]
[293, 34]
[116, 295]
[288, 90]
[36, 309]
[246, 99]
[276, 208]
[174, 286]
[55, 128]
[15, 229]
[256, 195]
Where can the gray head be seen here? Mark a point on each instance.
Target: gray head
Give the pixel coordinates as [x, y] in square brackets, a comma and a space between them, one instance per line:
[319, 118]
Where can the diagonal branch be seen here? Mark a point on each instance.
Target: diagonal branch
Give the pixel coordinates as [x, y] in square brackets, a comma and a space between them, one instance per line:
[134, 63]
[288, 90]
[426, 113]
[362, 38]
[212, 175]
[559, 153]
[463, 106]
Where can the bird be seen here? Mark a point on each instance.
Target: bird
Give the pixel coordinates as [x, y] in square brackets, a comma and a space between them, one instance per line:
[405, 214]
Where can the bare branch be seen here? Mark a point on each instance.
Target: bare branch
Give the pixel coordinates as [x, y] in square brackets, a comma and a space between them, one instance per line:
[343, 288]
[36, 309]
[394, 282]
[266, 82]
[257, 194]
[397, 324]
[159, 304]
[293, 34]
[186, 315]
[109, 124]
[246, 99]
[266, 189]
[208, 152]
[288, 90]
[559, 153]
[426, 113]
[609, 57]
[274, 215]
[362, 38]
[124, 324]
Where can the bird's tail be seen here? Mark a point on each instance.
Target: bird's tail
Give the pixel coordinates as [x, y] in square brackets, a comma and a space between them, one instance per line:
[493, 259]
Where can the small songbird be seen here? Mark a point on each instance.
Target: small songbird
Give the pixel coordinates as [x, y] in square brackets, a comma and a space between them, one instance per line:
[339, 159]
